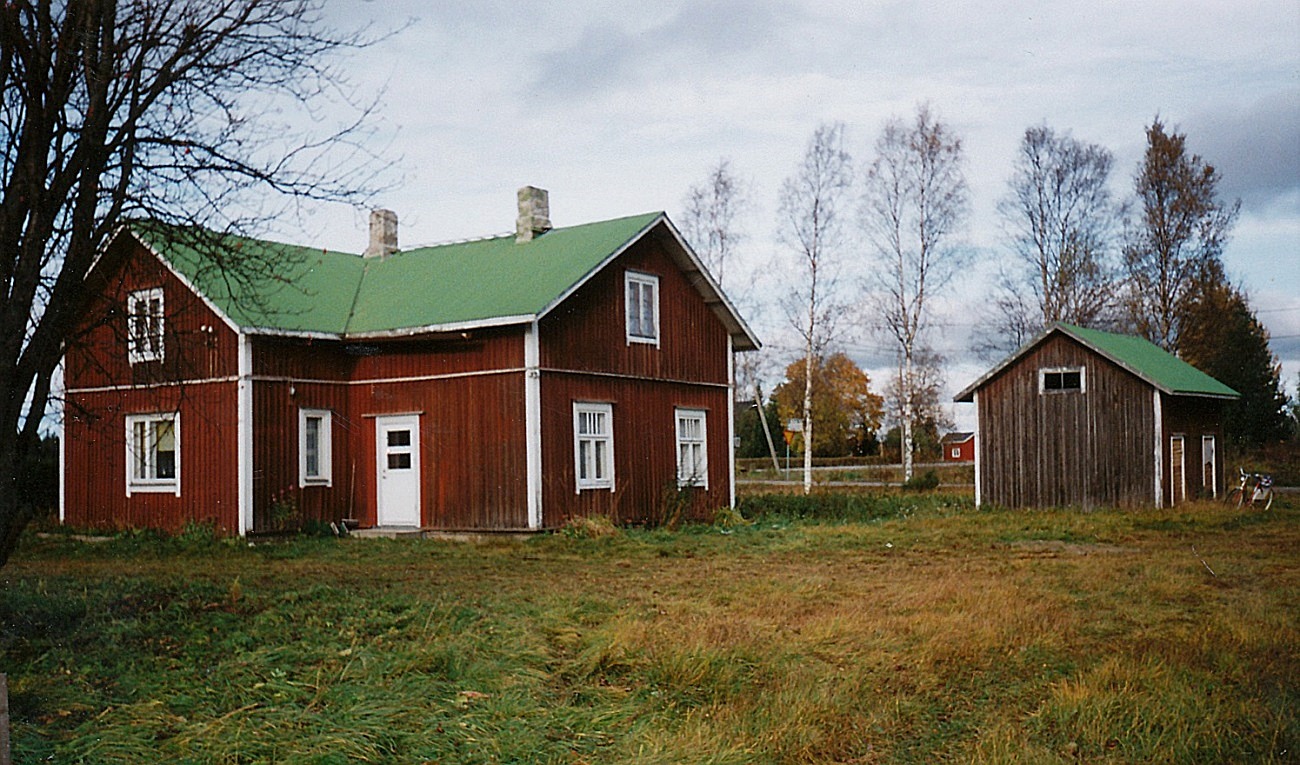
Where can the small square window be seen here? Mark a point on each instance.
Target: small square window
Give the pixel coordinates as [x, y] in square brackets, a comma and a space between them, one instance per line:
[153, 453]
[642, 308]
[144, 325]
[593, 446]
[315, 447]
[692, 448]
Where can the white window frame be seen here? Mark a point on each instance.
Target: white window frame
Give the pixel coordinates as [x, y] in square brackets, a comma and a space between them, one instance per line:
[594, 441]
[324, 448]
[695, 474]
[148, 345]
[636, 283]
[1045, 371]
[149, 482]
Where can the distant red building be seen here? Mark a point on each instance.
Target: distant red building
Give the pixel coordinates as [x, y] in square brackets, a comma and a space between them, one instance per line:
[509, 383]
[958, 446]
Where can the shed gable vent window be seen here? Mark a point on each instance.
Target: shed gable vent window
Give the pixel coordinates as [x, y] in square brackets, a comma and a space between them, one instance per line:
[1061, 380]
[144, 318]
[593, 445]
[642, 306]
[153, 453]
[314, 447]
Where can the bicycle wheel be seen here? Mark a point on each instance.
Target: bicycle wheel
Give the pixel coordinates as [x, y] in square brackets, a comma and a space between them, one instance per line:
[1235, 497]
[1266, 497]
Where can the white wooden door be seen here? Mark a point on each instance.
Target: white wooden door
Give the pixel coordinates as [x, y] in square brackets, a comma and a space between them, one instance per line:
[397, 456]
[1209, 475]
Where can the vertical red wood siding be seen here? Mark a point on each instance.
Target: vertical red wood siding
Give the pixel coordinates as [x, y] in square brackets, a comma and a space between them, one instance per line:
[195, 378]
[965, 451]
[645, 448]
[468, 388]
[95, 435]
[588, 332]
[469, 393]
[585, 357]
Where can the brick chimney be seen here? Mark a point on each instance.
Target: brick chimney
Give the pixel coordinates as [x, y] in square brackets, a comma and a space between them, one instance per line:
[383, 234]
[534, 214]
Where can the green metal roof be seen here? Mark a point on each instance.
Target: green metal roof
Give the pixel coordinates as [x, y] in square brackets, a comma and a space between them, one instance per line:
[297, 289]
[1148, 361]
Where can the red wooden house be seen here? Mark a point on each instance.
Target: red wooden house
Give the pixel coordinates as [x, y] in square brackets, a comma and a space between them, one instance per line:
[1089, 418]
[508, 383]
[958, 446]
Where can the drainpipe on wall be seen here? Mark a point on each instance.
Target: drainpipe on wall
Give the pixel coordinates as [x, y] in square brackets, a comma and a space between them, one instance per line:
[244, 430]
[533, 424]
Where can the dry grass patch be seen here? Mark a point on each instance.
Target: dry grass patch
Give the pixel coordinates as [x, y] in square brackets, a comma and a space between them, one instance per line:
[902, 629]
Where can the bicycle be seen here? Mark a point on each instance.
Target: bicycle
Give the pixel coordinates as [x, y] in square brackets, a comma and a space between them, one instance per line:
[1255, 489]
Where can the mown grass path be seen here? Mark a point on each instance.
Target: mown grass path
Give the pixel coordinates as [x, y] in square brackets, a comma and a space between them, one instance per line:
[934, 632]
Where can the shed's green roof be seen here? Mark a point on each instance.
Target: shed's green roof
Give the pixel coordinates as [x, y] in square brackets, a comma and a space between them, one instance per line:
[299, 289]
[1148, 361]
[1151, 362]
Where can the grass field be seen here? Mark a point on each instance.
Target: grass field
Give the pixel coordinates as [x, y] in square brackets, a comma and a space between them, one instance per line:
[908, 629]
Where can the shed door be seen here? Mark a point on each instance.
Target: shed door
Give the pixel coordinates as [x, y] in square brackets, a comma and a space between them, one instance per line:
[397, 456]
[1177, 471]
[1209, 475]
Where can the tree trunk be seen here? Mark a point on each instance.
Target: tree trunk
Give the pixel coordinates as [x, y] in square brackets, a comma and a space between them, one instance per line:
[807, 418]
[905, 443]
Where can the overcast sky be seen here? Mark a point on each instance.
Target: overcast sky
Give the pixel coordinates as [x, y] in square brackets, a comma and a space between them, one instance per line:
[618, 108]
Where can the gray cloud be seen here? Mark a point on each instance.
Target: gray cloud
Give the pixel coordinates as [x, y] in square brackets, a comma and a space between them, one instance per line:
[1256, 149]
[712, 37]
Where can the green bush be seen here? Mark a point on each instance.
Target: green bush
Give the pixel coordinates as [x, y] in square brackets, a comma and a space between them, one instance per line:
[926, 481]
[827, 507]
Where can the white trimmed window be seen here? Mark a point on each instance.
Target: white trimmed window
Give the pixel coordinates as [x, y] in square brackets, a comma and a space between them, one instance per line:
[315, 447]
[642, 306]
[153, 453]
[692, 448]
[1062, 380]
[593, 445]
[144, 325]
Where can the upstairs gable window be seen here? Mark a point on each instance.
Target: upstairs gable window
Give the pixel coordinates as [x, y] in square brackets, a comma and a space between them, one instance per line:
[1061, 380]
[642, 307]
[144, 325]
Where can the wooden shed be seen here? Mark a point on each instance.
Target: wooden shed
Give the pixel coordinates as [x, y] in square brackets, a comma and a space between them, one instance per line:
[1081, 417]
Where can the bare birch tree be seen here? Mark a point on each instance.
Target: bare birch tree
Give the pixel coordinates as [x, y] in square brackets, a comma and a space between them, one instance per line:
[711, 215]
[711, 223]
[188, 112]
[811, 225]
[916, 200]
[1060, 220]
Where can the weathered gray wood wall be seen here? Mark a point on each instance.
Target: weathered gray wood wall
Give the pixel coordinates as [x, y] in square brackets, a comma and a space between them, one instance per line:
[1086, 449]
